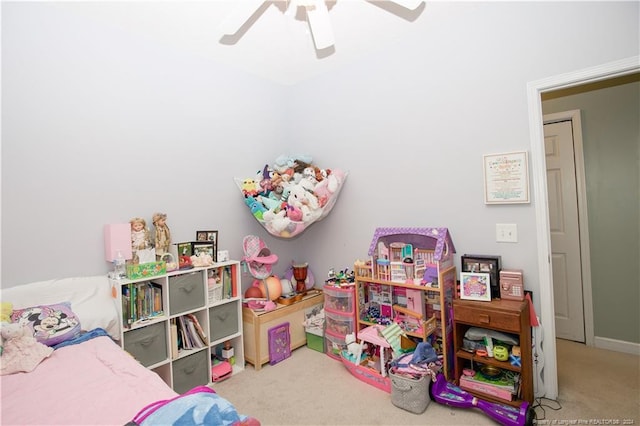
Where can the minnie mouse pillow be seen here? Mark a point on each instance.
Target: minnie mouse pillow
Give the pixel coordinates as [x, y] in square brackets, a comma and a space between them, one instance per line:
[51, 324]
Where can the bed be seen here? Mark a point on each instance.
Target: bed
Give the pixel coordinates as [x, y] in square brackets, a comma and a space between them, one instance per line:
[88, 379]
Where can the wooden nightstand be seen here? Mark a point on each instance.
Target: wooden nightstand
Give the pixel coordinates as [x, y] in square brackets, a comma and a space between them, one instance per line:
[506, 316]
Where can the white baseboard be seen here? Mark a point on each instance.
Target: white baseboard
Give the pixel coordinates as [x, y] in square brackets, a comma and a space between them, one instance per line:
[617, 345]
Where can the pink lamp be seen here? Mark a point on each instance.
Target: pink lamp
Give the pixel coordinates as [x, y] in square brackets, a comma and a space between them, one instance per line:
[117, 238]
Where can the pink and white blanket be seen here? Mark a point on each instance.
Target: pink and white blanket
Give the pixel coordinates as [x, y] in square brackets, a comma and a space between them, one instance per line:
[91, 383]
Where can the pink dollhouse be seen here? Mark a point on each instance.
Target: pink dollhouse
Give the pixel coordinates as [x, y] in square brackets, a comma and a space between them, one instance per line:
[409, 280]
[412, 254]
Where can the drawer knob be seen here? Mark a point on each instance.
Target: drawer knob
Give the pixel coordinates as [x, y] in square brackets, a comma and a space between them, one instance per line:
[483, 318]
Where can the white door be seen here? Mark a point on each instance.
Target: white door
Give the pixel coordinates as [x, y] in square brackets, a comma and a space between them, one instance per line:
[565, 231]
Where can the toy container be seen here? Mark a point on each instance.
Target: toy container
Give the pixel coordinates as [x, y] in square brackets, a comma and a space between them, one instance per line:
[334, 344]
[411, 394]
[339, 299]
[339, 324]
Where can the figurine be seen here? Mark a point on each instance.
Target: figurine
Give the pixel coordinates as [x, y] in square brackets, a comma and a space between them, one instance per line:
[163, 234]
[140, 238]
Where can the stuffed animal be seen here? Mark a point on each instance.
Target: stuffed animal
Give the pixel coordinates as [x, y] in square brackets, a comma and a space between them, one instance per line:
[353, 348]
[21, 351]
[306, 201]
[6, 309]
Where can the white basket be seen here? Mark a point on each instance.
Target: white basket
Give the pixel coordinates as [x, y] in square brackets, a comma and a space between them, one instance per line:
[410, 394]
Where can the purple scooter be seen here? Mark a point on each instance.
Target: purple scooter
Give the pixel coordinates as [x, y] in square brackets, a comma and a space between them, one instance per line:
[447, 393]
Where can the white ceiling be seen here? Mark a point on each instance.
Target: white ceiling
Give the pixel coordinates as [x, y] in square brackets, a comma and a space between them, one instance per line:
[277, 46]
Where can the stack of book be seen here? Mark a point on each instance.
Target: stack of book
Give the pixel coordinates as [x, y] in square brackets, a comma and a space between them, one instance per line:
[505, 387]
[187, 333]
[141, 301]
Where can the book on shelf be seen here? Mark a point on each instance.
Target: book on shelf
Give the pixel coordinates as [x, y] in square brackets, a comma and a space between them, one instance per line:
[506, 387]
[198, 328]
[174, 339]
[141, 301]
[190, 334]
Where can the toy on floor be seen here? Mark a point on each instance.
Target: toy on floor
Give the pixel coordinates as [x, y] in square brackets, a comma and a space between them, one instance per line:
[447, 393]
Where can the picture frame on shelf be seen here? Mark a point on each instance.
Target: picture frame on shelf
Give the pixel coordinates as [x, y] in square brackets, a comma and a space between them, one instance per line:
[208, 247]
[184, 249]
[486, 264]
[475, 286]
[210, 236]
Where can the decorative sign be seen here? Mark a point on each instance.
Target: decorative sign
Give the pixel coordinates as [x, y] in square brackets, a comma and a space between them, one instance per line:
[506, 178]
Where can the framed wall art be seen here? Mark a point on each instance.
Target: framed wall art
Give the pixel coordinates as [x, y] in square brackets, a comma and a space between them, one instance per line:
[475, 286]
[506, 178]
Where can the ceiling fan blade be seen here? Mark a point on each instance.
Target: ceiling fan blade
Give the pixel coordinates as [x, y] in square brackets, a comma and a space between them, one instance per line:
[240, 15]
[320, 24]
[408, 4]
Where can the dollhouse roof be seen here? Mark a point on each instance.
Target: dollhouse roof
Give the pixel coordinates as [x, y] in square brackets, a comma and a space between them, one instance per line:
[436, 239]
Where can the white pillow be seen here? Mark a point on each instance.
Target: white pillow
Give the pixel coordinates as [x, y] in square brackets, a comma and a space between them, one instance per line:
[90, 299]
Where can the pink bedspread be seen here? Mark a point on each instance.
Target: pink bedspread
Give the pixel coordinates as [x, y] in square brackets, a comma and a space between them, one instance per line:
[91, 383]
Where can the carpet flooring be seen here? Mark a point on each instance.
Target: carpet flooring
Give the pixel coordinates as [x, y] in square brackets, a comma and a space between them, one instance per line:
[309, 388]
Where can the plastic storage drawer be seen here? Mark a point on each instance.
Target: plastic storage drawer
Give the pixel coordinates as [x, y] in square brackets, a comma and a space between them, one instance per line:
[191, 371]
[339, 299]
[186, 292]
[148, 344]
[223, 320]
[338, 323]
[334, 344]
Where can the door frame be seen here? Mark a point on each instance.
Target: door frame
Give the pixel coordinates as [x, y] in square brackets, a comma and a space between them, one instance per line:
[539, 180]
[583, 219]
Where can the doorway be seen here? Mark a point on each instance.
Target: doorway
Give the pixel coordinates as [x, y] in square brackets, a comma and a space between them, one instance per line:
[534, 91]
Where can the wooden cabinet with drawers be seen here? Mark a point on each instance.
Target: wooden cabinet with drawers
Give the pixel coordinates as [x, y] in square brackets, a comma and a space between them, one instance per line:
[506, 316]
[150, 308]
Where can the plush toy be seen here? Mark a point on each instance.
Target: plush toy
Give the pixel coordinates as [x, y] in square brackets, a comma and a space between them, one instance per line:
[202, 259]
[21, 351]
[277, 222]
[353, 348]
[307, 202]
[6, 309]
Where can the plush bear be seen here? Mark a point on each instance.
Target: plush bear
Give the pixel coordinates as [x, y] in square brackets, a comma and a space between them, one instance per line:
[21, 351]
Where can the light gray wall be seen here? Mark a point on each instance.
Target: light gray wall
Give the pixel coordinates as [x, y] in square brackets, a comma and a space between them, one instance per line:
[100, 125]
[611, 141]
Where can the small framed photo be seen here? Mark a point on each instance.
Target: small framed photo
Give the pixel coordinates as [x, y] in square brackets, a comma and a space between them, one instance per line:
[199, 248]
[184, 249]
[487, 264]
[209, 236]
[475, 286]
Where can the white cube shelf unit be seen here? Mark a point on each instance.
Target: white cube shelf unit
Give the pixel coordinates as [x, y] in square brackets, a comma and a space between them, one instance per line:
[153, 309]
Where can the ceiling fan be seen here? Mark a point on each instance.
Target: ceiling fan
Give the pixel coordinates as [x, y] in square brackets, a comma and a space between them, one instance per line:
[316, 10]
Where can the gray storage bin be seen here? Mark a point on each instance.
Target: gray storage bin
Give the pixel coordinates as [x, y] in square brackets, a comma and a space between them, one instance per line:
[223, 320]
[148, 344]
[191, 371]
[410, 394]
[186, 292]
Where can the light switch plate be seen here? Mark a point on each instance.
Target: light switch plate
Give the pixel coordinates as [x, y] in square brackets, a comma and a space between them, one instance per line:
[506, 232]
